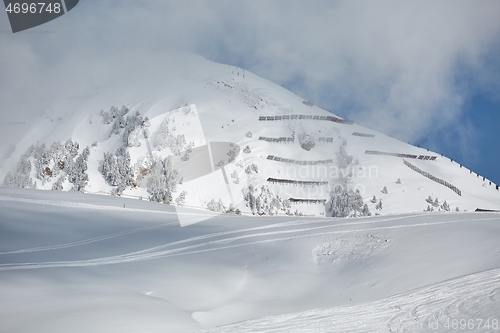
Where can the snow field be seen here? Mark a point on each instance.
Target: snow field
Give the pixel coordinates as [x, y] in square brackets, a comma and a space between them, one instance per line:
[69, 259]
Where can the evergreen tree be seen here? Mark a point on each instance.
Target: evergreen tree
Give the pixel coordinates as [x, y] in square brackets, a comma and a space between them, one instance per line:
[58, 185]
[117, 170]
[78, 172]
[366, 211]
[343, 159]
[181, 198]
[162, 181]
[249, 198]
[445, 206]
[345, 202]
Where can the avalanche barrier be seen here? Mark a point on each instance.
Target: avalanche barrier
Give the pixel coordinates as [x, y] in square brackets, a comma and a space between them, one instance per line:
[431, 177]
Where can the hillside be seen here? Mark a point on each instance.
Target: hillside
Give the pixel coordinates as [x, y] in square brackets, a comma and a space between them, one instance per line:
[206, 135]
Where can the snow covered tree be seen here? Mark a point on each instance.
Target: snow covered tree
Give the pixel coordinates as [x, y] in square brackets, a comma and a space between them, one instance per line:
[71, 148]
[164, 138]
[114, 113]
[445, 206]
[247, 150]
[162, 181]
[117, 170]
[216, 206]
[374, 199]
[398, 181]
[118, 125]
[185, 157]
[265, 202]
[21, 177]
[249, 134]
[249, 198]
[436, 203]
[251, 169]
[42, 161]
[379, 205]
[366, 211]
[384, 190]
[133, 130]
[181, 199]
[345, 202]
[77, 174]
[343, 159]
[58, 185]
[235, 177]
[220, 164]
[429, 200]
[232, 153]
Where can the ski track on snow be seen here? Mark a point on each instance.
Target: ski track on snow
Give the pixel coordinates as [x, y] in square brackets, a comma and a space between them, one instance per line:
[124, 233]
[74, 205]
[214, 245]
[88, 241]
[470, 299]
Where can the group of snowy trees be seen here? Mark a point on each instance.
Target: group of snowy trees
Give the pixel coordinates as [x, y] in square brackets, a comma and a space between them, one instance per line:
[343, 159]
[21, 177]
[132, 124]
[117, 171]
[216, 206]
[114, 114]
[433, 204]
[162, 180]
[164, 137]
[251, 169]
[161, 177]
[264, 202]
[58, 161]
[77, 174]
[378, 205]
[344, 201]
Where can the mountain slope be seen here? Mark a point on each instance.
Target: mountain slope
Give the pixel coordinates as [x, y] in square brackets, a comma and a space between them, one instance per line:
[229, 133]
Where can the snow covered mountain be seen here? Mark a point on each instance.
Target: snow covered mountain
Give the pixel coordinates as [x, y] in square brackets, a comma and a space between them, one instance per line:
[202, 135]
[195, 133]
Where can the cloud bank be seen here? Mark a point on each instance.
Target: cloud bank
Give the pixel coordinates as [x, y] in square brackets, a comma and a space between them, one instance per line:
[403, 68]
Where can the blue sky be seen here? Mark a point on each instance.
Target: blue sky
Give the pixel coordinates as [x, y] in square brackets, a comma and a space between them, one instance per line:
[426, 72]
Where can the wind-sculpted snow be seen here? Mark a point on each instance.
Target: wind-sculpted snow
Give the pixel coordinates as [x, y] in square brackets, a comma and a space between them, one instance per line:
[349, 247]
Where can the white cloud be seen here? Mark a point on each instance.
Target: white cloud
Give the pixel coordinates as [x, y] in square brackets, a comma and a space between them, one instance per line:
[392, 65]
